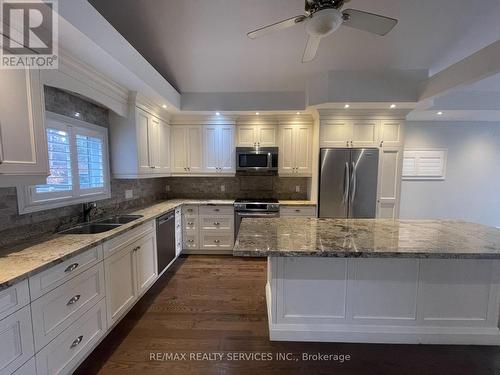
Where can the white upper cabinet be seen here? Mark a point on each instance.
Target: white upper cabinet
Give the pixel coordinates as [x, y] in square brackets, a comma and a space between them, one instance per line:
[295, 150]
[391, 133]
[23, 145]
[187, 149]
[140, 144]
[218, 146]
[364, 133]
[335, 133]
[257, 135]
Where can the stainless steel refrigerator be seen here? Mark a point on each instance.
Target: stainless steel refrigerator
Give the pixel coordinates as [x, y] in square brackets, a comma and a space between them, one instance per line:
[348, 183]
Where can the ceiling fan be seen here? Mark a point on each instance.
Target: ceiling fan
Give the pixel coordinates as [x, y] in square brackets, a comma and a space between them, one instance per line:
[323, 17]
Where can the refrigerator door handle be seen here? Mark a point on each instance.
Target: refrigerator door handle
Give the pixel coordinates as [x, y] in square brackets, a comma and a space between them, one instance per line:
[353, 180]
[346, 183]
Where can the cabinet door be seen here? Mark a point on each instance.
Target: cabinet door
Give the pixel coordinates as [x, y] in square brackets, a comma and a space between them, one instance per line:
[365, 133]
[287, 150]
[390, 133]
[226, 149]
[146, 262]
[267, 136]
[389, 183]
[23, 144]
[211, 149]
[335, 134]
[154, 143]
[120, 279]
[16, 340]
[178, 146]
[195, 147]
[303, 145]
[163, 149]
[247, 136]
[143, 129]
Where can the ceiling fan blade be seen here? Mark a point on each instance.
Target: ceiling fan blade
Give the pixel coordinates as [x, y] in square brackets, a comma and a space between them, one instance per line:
[373, 23]
[311, 48]
[276, 26]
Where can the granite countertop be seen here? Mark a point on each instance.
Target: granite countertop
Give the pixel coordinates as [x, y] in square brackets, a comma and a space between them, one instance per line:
[370, 238]
[297, 203]
[19, 262]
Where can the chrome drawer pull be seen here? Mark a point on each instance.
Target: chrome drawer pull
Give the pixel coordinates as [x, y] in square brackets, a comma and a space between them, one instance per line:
[71, 268]
[297, 210]
[216, 223]
[216, 210]
[191, 241]
[217, 241]
[190, 223]
[77, 342]
[73, 300]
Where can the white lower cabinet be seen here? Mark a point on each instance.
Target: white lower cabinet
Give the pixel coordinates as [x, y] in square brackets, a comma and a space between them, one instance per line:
[29, 368]
[208, 229]
[16, 341]
[297, 211]
[13, 298]
[120, 283]
[58, 309]
[65, 352]
[129, 273]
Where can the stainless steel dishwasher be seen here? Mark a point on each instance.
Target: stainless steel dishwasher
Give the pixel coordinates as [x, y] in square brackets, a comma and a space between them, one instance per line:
[165, 240]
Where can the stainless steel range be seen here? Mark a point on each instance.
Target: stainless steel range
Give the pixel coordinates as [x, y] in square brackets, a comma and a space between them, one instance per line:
[254, 208]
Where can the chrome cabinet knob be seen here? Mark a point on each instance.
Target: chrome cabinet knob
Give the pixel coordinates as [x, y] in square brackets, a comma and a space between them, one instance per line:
[217, 241]
[73, 300]
[71, 267]
[77, 342]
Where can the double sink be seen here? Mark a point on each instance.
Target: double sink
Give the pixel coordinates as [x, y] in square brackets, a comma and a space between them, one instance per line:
[103, 225]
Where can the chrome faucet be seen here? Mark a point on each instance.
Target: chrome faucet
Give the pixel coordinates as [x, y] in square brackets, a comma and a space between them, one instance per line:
[89, 210]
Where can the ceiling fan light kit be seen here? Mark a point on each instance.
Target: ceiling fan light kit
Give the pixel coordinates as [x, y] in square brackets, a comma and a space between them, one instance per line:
[324, 17]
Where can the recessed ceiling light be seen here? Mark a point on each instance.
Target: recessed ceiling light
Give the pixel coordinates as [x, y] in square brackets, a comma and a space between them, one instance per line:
[217, 113]
[298, 113]
[347, 106]
[439, 113]
[164, 106]
[257, 113]
[393, 106]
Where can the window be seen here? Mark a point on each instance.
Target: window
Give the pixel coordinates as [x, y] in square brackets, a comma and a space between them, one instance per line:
[78, 163]
[424, 164]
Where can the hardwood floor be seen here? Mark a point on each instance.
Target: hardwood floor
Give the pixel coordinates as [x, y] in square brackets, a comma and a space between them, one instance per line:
[216, 304]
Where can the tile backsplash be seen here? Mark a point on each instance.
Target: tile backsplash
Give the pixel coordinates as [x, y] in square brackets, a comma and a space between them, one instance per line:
[238, 187]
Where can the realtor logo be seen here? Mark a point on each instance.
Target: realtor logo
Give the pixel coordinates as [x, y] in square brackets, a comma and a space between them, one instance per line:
[29, 34]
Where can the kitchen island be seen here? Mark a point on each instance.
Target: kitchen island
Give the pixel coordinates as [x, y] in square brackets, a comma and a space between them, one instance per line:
[378, 281]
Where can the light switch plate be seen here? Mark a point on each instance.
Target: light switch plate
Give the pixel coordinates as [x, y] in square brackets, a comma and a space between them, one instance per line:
[297, 189]
[129, 194]
[167, 188]
[223, 188]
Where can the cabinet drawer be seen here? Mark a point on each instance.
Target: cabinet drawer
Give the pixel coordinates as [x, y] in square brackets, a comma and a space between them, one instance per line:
[59, 274]
[191, 241]
[16, 341]
[191, 223]
[217, 210]
[212, 223]
[190, 210]
[307, 211]
[57, 310]
[27, 369]
[67, 350]
[127, 238]
[214, 240]
[13, 298]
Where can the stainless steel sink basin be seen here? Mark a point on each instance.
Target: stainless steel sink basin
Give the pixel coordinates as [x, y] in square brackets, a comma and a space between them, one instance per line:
[91, 228]
[119, 219]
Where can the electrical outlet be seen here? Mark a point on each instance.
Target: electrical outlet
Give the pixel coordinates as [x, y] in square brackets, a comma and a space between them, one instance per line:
[297, 189]
[129, 194]
[167, 188]
[223, 188]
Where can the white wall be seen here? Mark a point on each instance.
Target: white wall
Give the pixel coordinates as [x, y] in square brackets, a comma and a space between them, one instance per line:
[471, 190]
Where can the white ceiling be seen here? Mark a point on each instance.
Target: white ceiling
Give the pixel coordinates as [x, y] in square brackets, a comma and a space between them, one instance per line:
[201, 45]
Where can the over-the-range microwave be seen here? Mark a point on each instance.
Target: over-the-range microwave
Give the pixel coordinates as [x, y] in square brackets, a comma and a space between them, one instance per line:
[257, 160]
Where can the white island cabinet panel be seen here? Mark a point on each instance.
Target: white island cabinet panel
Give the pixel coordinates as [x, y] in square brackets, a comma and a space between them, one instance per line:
[393, 296]
[456, 290]
[307, 297]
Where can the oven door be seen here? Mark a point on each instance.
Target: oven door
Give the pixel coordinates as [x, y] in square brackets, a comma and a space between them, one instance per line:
[238, 216]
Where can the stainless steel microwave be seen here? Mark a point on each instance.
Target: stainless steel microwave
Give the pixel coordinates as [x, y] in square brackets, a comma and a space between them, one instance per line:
[257, 160]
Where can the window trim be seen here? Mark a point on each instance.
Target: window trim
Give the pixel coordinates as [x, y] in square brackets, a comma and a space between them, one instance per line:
[25, 194]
